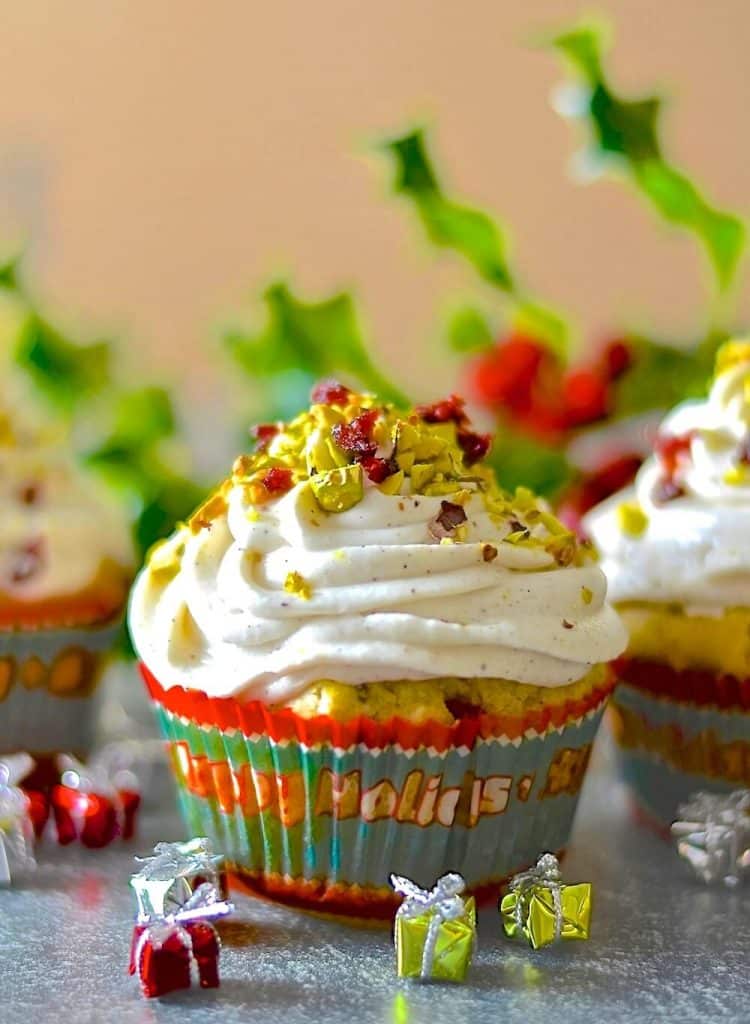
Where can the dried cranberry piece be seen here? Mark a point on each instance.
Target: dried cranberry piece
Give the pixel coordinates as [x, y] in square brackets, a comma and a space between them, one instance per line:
[474, 446]
[671, 448]
[355, 438]
[743, 455]
[263, 434]
[278, 480]
[445, 411]
[666, 490]
[28, 561]
[379, 470]
[330, 392]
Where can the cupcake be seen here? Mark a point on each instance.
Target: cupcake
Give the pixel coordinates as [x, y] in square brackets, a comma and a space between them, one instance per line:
[366, 658]
[66, 562]
[675, 549]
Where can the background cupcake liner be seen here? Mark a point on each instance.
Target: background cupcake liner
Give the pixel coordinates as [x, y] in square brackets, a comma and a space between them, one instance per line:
[316, 822]
[670, 748]
[49, 687]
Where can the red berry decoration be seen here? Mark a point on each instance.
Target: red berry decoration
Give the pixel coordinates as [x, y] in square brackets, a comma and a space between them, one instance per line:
[586, 397]
[278, 480]
[330, 392]
[616, 359]
[379, 470]
[672, 449]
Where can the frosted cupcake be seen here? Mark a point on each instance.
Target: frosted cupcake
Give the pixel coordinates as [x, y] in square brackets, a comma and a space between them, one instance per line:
[66, 561]
[676, 551]
[368, 659]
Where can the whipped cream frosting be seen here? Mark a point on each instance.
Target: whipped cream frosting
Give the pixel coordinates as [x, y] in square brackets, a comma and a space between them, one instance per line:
[383, 600]
[58, 524]
[693, 543]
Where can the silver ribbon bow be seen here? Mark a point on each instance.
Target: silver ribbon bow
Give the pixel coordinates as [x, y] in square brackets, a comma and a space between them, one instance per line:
[713, 835]
[545, 873]
[162, 885]
[443, 902]
[203, 905]
[16, 831]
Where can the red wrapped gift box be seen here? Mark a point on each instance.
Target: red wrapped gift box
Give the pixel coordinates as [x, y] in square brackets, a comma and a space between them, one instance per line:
[94, 819]
[170, 955]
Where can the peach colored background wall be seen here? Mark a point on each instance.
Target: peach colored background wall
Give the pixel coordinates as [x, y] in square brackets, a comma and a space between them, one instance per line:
[168, 155]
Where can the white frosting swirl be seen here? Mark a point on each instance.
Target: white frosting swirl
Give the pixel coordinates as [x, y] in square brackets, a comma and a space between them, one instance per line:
[387, 602]
[695, 548]
[58, 525]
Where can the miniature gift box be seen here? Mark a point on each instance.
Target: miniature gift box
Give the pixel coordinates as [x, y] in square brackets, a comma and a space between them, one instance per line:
[713, 836]
[541, 909]
[168, 877]
[16, 829]
[94, 802]
[435, 930]
[179, 950]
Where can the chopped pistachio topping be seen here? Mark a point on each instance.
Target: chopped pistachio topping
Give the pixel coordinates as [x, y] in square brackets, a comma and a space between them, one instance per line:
[298, 585]
[587, 595]
[631, 518]
[347, 442]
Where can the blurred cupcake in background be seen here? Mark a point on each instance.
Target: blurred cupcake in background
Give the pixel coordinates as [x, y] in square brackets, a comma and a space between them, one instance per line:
[675, 549]
[66, 561]
[368, 658]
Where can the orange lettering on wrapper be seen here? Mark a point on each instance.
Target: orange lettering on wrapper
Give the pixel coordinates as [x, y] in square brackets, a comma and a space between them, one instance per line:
[420, 800]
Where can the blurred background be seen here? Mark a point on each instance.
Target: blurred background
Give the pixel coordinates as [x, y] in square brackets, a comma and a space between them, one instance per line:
[165, 160]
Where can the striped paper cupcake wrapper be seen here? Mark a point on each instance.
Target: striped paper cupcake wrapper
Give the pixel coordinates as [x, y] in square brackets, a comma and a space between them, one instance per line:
[49, 687]
[678, 732]
[318, 813]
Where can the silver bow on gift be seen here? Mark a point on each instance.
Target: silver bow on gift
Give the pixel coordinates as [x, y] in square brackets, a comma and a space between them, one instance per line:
[546, 873]
[203, 905]
[16, 830]
[713, 835]
[443, 902]
[165, 883]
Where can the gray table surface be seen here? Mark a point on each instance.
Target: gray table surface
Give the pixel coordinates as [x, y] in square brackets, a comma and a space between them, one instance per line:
[663, 949]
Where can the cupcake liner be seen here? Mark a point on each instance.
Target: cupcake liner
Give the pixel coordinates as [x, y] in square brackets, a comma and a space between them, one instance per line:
[669, 748]
[319, 813]
[49, 687]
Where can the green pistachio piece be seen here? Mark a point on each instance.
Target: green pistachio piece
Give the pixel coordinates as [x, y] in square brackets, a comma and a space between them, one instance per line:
[338, 489]
[428, 447]
[421, 474]
[393, 483]
[405, 461]
[406, 437]
[321, 453]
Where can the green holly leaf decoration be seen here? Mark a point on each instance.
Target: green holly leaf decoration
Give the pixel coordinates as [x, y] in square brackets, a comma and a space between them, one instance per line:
[450, 224]
[469, 330]
[470, 232]
[520, 460]
[625, 136]
[64, 372]
[321, 339]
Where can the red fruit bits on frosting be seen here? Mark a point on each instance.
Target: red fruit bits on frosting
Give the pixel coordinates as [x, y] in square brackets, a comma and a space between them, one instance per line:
[278, 480]
[330, 392]
[355, 438]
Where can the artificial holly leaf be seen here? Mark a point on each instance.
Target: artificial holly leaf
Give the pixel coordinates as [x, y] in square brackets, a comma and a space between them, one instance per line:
[9, 272]
[62, 370]
[520, 460]
[469, 232]
[661, 375]
[142, 417]
[469, 330]
[625, 134]
[320, 338]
